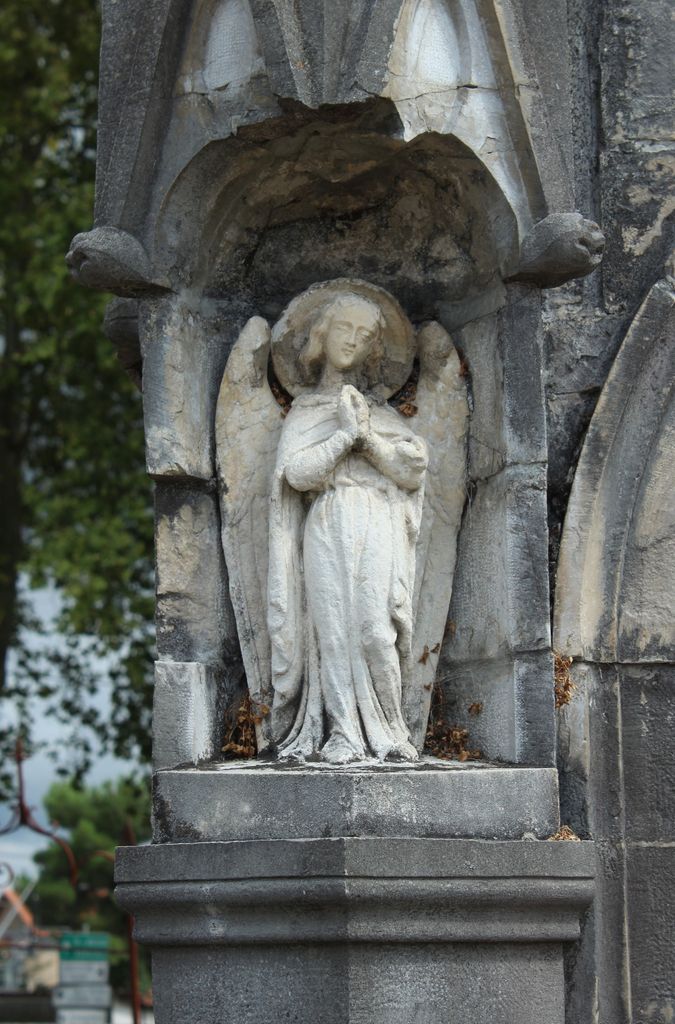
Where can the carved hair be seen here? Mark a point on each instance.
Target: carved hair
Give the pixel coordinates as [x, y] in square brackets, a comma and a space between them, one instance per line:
[313, 354]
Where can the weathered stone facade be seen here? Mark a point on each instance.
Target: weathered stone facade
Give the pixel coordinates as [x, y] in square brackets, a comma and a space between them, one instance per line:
[438, 149]
[610, 356]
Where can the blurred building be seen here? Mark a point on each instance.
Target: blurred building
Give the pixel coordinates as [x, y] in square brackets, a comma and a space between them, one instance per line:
[29, 957]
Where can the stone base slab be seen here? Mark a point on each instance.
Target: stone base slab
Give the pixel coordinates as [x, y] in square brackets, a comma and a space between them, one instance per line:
[357, 931]
[433, 799]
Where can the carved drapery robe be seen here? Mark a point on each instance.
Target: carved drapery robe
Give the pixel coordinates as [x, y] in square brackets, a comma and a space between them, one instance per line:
[341, 582]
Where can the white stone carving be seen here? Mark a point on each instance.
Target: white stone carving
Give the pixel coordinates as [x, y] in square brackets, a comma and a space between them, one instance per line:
[225, 53]
[334, 518]
[446, 75]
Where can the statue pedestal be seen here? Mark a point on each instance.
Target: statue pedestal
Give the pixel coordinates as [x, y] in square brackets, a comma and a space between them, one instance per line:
[243, 800]
[371, 930]
[312, 893]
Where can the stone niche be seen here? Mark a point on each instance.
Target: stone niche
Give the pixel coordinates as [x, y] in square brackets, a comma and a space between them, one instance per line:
[311, 196]
[246, 153]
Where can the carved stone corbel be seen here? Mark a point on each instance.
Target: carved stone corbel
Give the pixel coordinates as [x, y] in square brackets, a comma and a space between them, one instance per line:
[558, 249]
[107, 259]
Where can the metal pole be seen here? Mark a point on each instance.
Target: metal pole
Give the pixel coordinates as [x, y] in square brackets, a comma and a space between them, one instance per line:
[130, 840]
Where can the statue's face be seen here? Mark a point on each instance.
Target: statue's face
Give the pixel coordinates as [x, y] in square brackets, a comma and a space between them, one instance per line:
[352, 330]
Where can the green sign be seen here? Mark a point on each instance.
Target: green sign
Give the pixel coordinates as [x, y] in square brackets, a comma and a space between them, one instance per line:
[84, 946]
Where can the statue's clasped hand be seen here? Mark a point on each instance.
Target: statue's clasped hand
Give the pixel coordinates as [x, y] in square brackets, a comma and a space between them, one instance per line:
[354, 415]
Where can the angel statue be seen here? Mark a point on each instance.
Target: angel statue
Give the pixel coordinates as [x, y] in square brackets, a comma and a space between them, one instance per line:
[340, 520]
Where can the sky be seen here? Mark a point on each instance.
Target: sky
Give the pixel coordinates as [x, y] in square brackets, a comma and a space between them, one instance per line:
[17, 848]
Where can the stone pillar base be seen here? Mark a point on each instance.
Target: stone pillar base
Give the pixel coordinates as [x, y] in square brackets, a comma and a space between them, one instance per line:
[365, 931]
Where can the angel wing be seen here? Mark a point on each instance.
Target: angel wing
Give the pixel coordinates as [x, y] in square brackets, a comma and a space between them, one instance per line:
[248, 425]
[443, 420]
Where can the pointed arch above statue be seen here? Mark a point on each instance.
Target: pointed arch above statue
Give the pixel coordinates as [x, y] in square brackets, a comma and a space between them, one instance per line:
[452, 71]
[468, 59]
[180, 77]
[457, 67]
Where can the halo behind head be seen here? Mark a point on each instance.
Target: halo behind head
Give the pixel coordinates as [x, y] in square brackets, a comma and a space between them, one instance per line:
[295, 361]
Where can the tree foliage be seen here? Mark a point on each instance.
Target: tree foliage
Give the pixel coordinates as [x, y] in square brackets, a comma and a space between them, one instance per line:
[97, 820]
[76, 512]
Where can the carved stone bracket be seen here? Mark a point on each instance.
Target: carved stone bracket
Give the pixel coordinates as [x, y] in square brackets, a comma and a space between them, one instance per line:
[109, 260]
[560, 248]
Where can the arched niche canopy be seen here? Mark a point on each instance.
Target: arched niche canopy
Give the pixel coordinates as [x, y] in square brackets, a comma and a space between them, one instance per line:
[455, 67]
[319, 195]
[221, 71]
